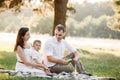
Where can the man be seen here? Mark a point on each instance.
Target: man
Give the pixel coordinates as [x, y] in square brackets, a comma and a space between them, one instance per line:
[54, 50]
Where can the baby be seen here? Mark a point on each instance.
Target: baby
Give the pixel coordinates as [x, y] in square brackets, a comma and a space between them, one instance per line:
[37, 57]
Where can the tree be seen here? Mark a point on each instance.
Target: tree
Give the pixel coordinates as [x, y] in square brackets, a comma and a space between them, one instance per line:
[60, 8]
[8, 4]
[114, 22]
[59, 13]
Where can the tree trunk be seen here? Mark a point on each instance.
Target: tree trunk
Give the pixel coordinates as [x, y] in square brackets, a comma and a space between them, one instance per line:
[60, 8]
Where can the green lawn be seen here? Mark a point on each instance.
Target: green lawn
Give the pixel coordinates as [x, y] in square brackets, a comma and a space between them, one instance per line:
[102, 64]
[99, 63]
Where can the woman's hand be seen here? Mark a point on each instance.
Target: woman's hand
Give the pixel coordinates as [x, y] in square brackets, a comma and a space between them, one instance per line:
[46, 69]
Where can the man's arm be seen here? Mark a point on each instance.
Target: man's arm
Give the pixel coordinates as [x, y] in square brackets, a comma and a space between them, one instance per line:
[54, 60]
[72, 50]
[76, 56]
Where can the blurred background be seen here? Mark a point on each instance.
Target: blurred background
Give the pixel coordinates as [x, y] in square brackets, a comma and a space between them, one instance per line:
[93, 28]
[88, 19]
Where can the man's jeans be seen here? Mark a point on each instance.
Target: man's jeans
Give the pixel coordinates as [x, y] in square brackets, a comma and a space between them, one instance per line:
[57, 68]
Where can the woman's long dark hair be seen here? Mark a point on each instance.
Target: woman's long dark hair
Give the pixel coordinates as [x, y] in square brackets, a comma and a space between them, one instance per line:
[19, 40]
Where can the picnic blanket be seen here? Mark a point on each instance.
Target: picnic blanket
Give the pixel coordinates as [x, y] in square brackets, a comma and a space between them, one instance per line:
[62, 75]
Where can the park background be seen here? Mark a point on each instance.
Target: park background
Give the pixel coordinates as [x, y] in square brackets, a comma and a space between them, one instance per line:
[87, 30]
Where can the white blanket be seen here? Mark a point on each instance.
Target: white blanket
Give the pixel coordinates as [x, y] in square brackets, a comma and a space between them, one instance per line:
[62, 75]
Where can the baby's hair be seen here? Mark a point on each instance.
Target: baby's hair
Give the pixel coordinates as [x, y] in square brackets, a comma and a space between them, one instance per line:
[36, 41]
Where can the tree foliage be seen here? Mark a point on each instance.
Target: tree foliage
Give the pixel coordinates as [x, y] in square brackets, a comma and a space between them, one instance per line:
[41, 24]
[91, 27]
[59, 6]
[8, 4]
[83, 23]
[114, 22]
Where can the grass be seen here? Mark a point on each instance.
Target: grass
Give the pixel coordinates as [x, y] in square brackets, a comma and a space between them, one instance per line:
[100, 64]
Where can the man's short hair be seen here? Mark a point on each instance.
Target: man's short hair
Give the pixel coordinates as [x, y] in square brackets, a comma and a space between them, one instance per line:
[36, 41]
[60, 27]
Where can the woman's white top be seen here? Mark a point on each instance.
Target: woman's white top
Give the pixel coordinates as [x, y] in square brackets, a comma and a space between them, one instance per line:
[24, 68]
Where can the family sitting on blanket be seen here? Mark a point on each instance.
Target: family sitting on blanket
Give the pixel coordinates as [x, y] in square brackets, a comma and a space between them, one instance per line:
[54, 48]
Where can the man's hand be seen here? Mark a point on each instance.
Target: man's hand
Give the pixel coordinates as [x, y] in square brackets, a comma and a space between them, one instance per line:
[57, 61]
[64, 62]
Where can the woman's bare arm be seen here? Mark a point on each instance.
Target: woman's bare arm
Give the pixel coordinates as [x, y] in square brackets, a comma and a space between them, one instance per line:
[23, 58]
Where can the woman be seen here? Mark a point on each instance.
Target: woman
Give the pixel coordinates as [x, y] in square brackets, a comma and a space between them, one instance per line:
[23, 53]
